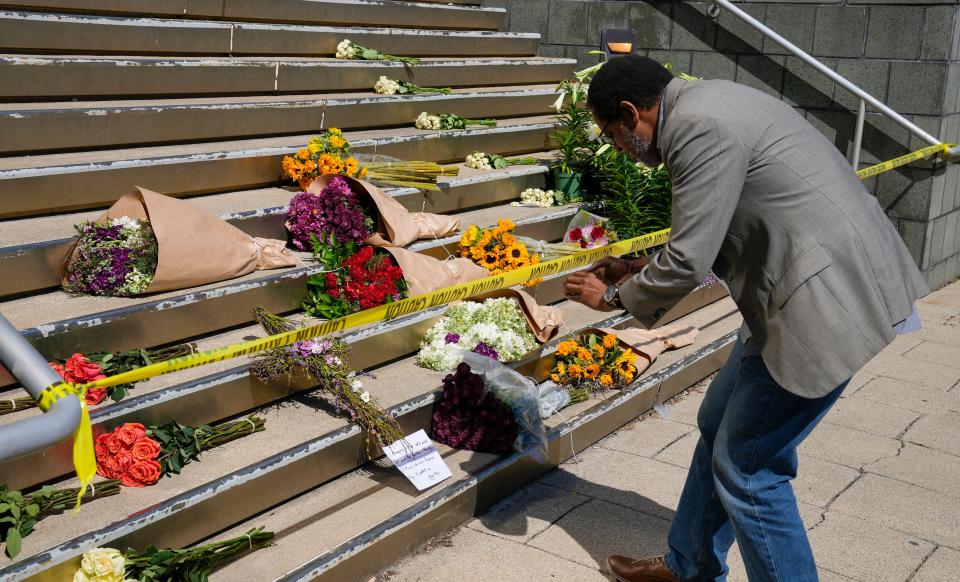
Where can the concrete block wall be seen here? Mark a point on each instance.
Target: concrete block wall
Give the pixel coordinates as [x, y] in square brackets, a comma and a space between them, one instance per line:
[905, 53]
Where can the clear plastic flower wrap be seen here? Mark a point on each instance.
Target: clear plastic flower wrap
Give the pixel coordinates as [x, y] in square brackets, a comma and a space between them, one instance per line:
[523, 397]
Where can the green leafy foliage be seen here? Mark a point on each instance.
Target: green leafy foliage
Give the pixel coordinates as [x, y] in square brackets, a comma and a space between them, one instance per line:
[20, 513]
[191, 564]
[572, 138]
[637, 199]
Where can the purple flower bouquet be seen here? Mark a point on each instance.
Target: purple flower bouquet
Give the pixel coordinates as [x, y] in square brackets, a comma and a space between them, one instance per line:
[471, 417]
[117, 257]
[333, 215]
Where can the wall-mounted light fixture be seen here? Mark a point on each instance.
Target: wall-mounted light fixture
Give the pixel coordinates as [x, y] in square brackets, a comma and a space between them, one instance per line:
[618, 41]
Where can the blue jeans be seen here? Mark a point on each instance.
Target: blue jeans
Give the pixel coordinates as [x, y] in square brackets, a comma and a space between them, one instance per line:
[738, 486]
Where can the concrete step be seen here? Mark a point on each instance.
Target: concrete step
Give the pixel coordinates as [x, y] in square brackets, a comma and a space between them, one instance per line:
[59, 325]
[63, 182]
[52, 77]
[345, 12]
[61, 126]
[34, 32]
[302, 448]
[34, 247]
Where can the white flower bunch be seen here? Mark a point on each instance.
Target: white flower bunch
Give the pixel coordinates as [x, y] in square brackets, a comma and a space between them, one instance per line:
[346, 50]
[101, 565]
[497, 323]
[538, 197]
[126, 222]
[479, 161]
[428, 121]
[386, 86]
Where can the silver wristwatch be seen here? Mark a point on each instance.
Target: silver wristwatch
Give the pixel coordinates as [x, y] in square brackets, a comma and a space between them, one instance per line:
[611, 296]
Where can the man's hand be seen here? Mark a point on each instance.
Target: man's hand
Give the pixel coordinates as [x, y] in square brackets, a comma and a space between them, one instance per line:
[586, 288]
[613, 271]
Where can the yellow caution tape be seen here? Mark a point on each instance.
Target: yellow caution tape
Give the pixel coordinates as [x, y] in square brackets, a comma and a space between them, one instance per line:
[904, 160]
[84, 459]
[389, 311]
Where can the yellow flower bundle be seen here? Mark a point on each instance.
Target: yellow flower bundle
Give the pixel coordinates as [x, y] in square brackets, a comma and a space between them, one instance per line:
[330, 154]
[497, 249]
[593, 361]
[325, 154]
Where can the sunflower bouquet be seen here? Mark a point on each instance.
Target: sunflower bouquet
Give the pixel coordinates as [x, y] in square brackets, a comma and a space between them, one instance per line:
[594, 362]
[329, 153]
[497, 249]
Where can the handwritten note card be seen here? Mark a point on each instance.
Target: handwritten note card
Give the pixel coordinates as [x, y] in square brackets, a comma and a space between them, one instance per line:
[418, 460]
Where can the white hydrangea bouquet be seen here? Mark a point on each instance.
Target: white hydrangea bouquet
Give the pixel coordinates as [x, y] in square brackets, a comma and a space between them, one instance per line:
[434, 121]
[483, 161]
[388, 86]
[495, 328]
[348, 50]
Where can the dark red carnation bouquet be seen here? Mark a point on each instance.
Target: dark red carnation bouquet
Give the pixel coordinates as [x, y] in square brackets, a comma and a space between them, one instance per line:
[139, 456]
[366, 278]
[471, 417]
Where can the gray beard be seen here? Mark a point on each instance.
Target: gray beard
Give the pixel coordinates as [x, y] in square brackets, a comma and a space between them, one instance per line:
[640, 149]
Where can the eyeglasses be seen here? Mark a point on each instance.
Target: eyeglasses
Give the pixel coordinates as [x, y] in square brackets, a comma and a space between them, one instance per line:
[604, 138]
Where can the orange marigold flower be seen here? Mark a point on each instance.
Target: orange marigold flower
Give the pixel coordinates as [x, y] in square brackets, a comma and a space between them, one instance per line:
[591, 371]
[606, 380]
[352, 166]
[584, 354]
[566, 348]
[509, 240]
[609, 341]
[304, 154]
[599, 350]
[574, 371]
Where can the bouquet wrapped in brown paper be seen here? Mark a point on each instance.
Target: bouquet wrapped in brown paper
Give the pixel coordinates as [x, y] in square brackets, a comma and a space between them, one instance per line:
[147, 242]
[544, 321]
[424, 274]
[339, 209]
[503, 325]
[650, 343]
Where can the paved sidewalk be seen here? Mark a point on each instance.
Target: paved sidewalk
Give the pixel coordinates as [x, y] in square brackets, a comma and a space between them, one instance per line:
[879, 483]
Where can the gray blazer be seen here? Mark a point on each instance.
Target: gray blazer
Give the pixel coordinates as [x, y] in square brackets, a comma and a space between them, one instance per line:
[768, 203]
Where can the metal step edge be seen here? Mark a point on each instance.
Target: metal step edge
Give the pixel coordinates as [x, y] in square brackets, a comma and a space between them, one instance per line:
[341, 450]
[67, 77]
[232, 392]
[369, 553]
[149, 323]
[103, 126]
[232, 166]
[201, 24]
[331, 12]
[33, 31]
[37, 264]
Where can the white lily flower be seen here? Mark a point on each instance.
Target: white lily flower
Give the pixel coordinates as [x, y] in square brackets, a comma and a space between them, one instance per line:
[593, 132]
[558, 104]
[365, 397]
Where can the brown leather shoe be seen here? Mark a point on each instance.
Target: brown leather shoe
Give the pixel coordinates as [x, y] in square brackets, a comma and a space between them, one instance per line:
[653, 569]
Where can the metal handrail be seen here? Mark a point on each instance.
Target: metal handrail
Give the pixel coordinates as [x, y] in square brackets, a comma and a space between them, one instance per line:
[865, 98]
[34, 373]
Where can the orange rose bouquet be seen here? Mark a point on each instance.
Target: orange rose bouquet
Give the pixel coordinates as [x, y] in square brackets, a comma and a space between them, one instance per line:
[139, 456]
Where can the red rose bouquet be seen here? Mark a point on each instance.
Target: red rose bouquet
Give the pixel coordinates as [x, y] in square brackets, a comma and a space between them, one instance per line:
[84, 368]
[139, 456]
[366, 278]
